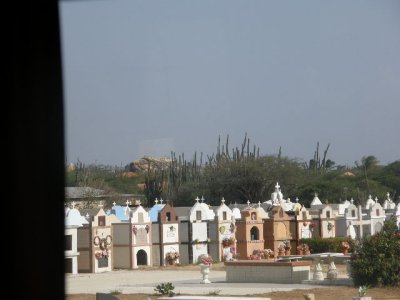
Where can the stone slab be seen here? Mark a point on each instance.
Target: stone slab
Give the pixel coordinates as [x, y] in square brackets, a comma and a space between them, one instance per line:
[338, 281]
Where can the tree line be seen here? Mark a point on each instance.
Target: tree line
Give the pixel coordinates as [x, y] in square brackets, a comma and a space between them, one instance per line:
[240, 174]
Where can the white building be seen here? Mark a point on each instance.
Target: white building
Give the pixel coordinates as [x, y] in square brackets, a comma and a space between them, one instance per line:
[73, 220]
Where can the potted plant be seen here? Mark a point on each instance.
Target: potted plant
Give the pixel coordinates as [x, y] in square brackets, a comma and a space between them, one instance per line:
[362, 291]
[205, 262]
[287, 246]
[281, 250]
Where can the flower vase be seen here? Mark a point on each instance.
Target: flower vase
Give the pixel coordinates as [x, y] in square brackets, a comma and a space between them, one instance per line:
[205, 270]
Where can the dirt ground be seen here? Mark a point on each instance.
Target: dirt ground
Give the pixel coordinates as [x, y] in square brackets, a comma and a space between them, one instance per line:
[329, 293]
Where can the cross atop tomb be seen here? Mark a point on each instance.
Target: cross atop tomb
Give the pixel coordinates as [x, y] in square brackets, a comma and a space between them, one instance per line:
[248, 203]
[127, 202]
[297, 199]
[222, 200]
[114, 203]
[161, 201]
[277, 186]
[352, 201]
[259, 204]
[197, 199]
[101, 204]
[376, 199]
[156, 201]
[202, 199]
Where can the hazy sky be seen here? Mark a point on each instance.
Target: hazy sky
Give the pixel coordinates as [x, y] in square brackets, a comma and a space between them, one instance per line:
[148, 77]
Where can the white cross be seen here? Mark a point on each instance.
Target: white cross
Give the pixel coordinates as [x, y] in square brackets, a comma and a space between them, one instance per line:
[388, 196]
[161, 200]
[297, 199]
[101, 204]
[73, 204]
[376, 199]
[352, 201]
[197, 199]
[202, 198]
[138, 202]
[127, 202]
[222, 200]
[87, 216]
[114, 203]
[248, 203]
[277, 186]
[259, 204]
[156, 201]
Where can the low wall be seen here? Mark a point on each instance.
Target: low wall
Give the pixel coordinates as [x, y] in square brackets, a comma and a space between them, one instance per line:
[267, 271]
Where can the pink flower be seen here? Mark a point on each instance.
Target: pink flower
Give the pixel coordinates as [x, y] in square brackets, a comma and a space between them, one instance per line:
[206, 259]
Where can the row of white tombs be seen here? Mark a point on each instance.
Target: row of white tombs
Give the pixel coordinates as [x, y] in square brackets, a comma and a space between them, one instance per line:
[128, 236]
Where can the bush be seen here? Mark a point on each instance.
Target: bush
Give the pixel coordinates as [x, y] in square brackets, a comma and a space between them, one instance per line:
[319, 245]
[376, 259]
[165, 289]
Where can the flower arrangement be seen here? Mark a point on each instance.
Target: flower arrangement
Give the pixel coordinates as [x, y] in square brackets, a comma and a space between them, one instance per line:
[286, 245]
[103, 243]
[205, 259]
[172, 256]
[226, 242]
[330, 226]
[303, 249]
[101, 254]
[268, 253]
[254, 257]
[345, 247]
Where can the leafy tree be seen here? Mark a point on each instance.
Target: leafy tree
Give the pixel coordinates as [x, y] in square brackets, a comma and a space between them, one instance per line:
[376, 260]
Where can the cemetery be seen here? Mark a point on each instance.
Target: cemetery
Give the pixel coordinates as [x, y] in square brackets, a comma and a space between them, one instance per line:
[256, 242]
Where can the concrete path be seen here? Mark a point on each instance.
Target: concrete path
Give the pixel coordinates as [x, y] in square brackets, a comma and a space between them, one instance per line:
[185, 282]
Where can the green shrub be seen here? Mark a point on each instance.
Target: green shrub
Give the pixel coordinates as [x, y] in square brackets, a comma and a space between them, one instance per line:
[376, 259]
[165, 289]
[319, 245]
[115, 292]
